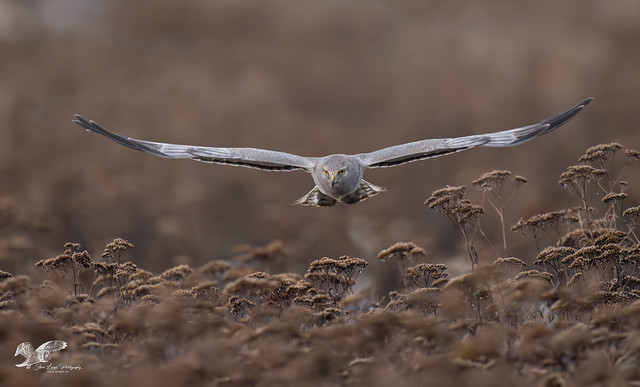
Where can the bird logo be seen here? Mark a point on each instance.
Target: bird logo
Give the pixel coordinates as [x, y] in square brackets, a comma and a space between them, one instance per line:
[41, 354]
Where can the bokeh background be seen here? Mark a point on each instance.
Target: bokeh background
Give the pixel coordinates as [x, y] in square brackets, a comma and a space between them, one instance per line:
[310, 78]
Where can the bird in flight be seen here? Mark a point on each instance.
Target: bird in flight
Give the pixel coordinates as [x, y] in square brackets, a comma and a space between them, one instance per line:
[338, 177]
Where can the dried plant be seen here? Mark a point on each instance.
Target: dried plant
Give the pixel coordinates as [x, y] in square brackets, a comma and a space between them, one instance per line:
[511, 266]
[177, 274]
[582, 180]
[403, 254]
[336, 277]
[553, 259]
[602, 156]
[475, 290]
[115, 249]
[4, 275]
[123, 281]
[423, 275]
[632, 219]
[215, 270]
[270, 291]
[464, 215]
[425, 300]
[537, 225]
[493, 185]
[65, 268]
[578, 180]
[572, 321]
[240, 307]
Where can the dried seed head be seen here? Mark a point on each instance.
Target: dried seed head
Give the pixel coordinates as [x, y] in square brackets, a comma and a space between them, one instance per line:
[335, 276]
[60, 262]
[510, 261]
[632, 154]
[543, 221]
[576, 278]
[206, 291]
[445, 199]
[424, 274]
[520, 180]
[215, 268]
[402, 251]
[107, 269]
[115, 249]
[467, 212]
[120, 244]
[177, 273]
[4, 275]
[553, 255]
[600, 154]
[632, 216]
[581, 174]
[493, 180]
[258, 274]
[240, 307]
[126, 269]
[83, 258]
[72, 246]
[610, 237]
[534, 274]
[614, 197]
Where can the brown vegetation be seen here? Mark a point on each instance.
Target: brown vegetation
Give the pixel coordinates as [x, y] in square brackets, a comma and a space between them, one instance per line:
[571, 321]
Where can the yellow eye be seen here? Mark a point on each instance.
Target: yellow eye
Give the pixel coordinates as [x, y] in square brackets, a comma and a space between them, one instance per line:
[342, 171]
[325, 172]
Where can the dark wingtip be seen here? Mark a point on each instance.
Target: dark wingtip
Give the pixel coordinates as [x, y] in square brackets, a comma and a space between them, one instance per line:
[81, 121]
[586, 101]
[92, 126]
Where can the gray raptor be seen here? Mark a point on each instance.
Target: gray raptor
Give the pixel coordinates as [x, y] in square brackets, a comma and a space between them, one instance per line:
[338, 177]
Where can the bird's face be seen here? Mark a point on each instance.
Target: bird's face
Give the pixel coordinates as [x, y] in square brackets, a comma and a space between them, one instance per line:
[338, 175]
[334, 175]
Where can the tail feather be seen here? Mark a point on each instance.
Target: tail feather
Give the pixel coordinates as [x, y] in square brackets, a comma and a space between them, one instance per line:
[316, 198]
[364, 191]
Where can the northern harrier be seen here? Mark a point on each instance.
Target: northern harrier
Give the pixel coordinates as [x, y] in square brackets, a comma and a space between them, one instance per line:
[338, 177]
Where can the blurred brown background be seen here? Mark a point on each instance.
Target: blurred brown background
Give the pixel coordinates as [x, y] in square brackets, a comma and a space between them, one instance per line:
[310, 78]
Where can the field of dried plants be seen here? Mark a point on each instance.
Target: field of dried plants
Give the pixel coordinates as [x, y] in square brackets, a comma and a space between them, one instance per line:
[522, 267]
[571, 318]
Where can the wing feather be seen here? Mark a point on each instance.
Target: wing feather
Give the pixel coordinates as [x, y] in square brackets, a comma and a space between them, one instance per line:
[420, 150]
[245, 157]
[52, 346]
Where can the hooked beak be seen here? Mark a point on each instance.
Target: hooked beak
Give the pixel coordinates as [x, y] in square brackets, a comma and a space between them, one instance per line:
[333, 179]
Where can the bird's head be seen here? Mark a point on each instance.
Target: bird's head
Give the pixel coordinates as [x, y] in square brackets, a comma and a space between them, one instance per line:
[339, 174]
[334, 169]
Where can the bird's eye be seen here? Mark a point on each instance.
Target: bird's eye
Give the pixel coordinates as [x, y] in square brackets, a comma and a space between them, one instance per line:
[325, 172]
[342, 172]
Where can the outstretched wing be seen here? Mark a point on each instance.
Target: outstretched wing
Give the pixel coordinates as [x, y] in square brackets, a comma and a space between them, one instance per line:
[420, 150]
[245, 157]
[52, 346]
